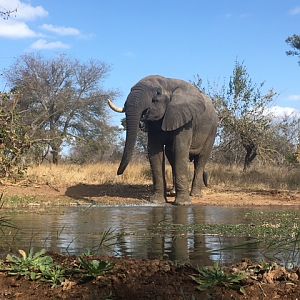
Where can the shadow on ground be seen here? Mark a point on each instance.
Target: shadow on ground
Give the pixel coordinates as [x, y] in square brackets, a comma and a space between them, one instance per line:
[87, 191]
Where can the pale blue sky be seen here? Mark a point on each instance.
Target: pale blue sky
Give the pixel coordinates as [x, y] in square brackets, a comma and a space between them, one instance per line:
[179, 39]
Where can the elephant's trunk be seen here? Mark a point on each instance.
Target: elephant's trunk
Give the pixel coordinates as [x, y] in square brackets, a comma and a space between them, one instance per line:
[134, 108]
[132, 126]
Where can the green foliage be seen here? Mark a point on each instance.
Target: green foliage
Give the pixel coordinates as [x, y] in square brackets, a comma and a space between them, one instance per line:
[28, 264]
[107, 241]
[35, 266]
[39, 266]
[15, 139]
[245, 123]
[209, 277]
[54, 275]
[244, 114]
[294, 42]
[94, 267]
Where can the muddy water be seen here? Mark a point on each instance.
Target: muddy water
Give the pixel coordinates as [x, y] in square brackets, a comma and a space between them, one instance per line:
[74, 230]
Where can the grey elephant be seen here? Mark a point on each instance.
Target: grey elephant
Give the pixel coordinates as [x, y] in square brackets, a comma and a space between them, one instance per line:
[181, 123]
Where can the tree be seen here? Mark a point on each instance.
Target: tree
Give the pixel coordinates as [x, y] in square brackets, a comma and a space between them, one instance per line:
[6, 14]
[97, 145]
[244, 119]
[294, 42]
[63, 98]
[287, 138]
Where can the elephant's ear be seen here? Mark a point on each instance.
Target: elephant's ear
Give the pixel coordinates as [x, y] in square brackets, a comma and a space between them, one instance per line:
[182, 108]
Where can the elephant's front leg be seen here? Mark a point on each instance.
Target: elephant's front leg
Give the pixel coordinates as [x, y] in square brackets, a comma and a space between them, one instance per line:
[157, 163]
[182, 142]
[170, 156]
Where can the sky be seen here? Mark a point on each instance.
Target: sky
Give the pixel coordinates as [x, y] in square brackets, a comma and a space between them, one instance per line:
[172, 38]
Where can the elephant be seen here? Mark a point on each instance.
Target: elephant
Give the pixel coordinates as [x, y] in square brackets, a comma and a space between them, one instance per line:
[181, 123]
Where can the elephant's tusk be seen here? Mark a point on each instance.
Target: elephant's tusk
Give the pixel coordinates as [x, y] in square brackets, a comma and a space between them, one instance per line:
[114, 107]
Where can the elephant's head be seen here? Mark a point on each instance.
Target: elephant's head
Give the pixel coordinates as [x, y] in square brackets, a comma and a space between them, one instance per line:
[156, 98]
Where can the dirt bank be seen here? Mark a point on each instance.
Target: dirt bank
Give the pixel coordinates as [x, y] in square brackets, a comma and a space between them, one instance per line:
[152, 279]
[83, 194]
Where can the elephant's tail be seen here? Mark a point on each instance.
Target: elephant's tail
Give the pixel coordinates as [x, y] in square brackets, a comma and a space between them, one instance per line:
[205, 178]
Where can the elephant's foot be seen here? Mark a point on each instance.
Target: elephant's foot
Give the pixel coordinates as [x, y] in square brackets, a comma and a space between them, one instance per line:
[196, 192]
[158, 199]
[182, 199]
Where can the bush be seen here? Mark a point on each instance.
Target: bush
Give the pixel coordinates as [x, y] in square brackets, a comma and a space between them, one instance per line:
[14, 138]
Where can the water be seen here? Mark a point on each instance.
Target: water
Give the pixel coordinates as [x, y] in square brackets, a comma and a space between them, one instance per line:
[73, 230]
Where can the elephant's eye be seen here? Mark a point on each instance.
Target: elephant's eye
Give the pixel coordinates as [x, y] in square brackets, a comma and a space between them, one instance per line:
[159, 91]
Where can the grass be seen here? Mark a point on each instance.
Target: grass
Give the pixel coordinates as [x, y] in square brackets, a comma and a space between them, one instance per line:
[101, 173]
[20, 201]
[259, 177]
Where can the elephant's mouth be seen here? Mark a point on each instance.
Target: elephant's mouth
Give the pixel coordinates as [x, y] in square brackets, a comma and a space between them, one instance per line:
[143, 120]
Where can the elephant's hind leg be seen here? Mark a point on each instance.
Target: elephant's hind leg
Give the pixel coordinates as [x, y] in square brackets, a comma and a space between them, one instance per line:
[199, 176]
[200, 160]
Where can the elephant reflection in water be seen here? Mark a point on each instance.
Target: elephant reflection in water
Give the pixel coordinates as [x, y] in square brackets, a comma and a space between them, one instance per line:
[178, 245]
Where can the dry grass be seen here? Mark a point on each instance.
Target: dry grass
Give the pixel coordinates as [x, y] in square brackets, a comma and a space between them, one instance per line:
[259, 177]
[220, 176]
[101, 173]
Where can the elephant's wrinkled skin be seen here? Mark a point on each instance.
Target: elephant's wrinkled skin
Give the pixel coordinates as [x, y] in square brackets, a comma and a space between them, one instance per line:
[181, 123]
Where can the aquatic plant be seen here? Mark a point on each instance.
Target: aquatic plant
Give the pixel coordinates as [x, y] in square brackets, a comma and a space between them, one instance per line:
[35, 266]
[209, 277]
[94, 267]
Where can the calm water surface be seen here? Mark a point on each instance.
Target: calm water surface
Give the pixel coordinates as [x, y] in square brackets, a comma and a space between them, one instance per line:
[73, 230]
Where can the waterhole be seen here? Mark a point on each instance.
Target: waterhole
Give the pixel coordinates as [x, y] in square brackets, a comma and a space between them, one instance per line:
[197, 234]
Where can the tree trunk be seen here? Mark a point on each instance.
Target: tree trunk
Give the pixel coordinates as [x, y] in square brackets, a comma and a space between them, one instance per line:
[251, 151]
[55, 152]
